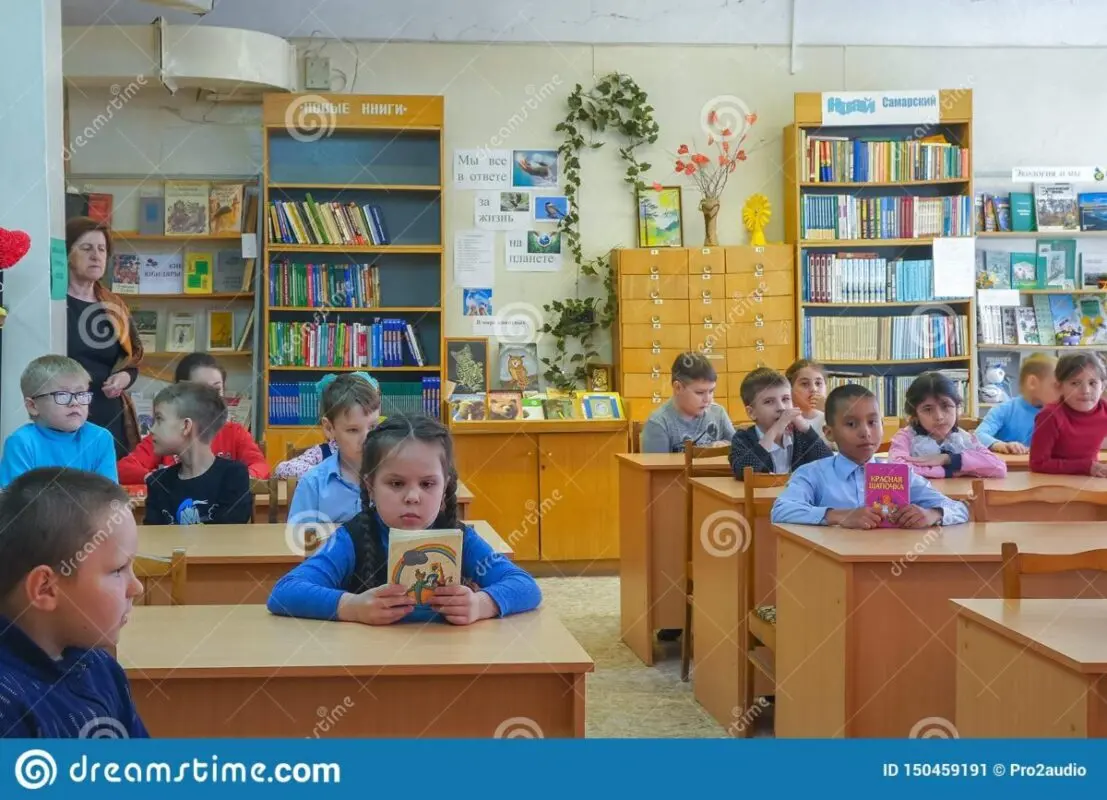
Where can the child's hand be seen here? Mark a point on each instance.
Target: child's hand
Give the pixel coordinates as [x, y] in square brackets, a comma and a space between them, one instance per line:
[818, 401]
[939, 460]
[911, 516]
[381, 605]
[1017, 448]
[865, 518]
[786, 422]
[801, 424]
[1099, 470]
[460, 605]
[1000, 447]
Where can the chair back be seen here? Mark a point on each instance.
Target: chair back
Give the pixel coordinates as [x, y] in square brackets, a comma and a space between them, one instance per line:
[175, 568]
[1079, 504]
[636, 427]
[692, 454]
[751, 482]
[1016, 564]
[270, 488]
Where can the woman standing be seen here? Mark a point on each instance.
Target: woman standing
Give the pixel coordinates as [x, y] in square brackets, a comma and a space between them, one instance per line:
[101, 333]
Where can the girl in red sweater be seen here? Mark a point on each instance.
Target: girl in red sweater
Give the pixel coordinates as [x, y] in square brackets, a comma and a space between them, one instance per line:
[233, 441]
[1068, 435]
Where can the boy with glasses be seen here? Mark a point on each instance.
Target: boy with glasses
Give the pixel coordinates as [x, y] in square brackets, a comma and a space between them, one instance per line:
[56, 394]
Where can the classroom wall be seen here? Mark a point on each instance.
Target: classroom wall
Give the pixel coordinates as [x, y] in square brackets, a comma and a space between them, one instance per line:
[1032, 106]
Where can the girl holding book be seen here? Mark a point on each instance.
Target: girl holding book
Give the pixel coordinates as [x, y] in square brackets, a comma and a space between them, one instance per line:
[408, 482]
[932, 443]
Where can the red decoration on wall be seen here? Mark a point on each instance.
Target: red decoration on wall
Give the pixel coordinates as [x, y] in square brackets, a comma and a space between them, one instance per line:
[13, 246]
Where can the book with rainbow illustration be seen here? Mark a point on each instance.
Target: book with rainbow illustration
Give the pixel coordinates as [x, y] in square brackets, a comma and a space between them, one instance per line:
[887, 489]
[424, 560]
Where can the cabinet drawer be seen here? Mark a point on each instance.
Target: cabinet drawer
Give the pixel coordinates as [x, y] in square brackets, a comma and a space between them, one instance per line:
[771, 284]
[639, 409]
[734, 387]
[649, 287]
[755, 260]
[653, 261]
[767, 309]
[747, 359]
[671, 337]
[642, 360]
[649, 385]
[703, 260]
[709, 336]
[750, 335]
[708, 289]
[674, 312]
[737, 408]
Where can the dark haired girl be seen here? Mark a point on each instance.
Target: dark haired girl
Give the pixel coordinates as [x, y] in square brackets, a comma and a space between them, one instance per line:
[1068, 435]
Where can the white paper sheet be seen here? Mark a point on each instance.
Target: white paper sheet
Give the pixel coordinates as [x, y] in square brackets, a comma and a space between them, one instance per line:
[482, 169]
[474, 255]
[532, 251]
[954, 266]
[997, 297]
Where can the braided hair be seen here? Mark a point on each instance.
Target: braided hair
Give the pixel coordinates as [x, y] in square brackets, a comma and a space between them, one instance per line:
[370, 556]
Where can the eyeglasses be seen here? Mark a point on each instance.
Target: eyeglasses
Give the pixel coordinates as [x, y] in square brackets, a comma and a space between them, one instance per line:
[65, 398]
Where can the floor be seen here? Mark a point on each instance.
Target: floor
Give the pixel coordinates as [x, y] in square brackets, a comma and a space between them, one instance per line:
[626, 699]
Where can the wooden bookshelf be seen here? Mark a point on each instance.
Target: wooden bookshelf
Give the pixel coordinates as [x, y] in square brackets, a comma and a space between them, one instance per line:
[955, 123]
[378, 150]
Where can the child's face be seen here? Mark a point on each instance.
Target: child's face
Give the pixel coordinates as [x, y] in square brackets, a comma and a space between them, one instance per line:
[1041, 391]
[170, 431]
[692, 399]
[208, 375]
[1083, 390]
[937, 415]
[858, 429]
[348, 430]
[809, 384]
[409, 486]
[68, 416]
[769, 404]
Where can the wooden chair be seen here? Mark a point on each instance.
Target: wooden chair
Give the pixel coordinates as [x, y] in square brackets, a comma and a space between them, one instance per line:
[271, 488]
[968, 423]
[175, 568]
[694, 470]
[1081, 504]
[1016, 564]
[636, 427]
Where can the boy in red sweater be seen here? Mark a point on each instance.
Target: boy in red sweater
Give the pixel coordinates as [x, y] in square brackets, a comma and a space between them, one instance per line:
[232, 441]
[1068, 435]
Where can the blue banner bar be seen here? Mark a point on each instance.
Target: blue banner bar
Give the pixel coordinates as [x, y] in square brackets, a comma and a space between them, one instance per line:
[568, 770]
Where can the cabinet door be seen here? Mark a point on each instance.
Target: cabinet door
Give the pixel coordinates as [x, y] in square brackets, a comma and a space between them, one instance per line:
[578, 487]
[502, 473]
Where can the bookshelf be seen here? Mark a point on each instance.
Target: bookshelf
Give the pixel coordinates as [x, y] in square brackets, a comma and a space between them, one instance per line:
[353, 239]
[864, 203]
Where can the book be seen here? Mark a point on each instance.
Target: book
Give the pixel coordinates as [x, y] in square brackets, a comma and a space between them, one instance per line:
[887, 489]
[186, 208]
[601, 405]
[225, 208]
[1022, 211]
[1093, 211]
[182, 332]
[1055, 205]
[146, 324]
[1024, 271]
[124, 275]
[1093, 270]
[421, 561]
[220, 330]
[198, 273]
[151, 216]
[160, 273]
[505, 405]
[230, 272]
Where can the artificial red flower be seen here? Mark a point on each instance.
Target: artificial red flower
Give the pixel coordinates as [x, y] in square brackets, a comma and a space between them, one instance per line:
[656, 186]
[700, 158]
[682, 150]
[711, 117]
[710, 140]
[726, 147]
[727, 132]
[679, 165]
[722, 159]
[690, 169]
[751, 118]
[741, 156]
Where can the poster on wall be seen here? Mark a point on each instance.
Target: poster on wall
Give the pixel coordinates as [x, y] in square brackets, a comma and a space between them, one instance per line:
[534, 169]
[476, 302]
[482, 169]
[550, 208]
[532, 251]
[474, 255]
[502, 211]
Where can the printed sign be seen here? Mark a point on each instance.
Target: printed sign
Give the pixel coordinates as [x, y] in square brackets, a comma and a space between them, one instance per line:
[1045, 174]
[881, 108]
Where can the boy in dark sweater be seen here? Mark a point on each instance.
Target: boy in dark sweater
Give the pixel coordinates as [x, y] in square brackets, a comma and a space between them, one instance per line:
[201, 489]
[781, 438]
[67, 545]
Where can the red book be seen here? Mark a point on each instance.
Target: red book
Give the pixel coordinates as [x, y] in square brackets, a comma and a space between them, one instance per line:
[887, 489]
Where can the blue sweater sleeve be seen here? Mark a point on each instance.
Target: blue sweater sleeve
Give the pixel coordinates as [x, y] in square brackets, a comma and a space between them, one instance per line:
[513, 588]
[104, 455]
[18, 458]
[989, 428]
[312, 589]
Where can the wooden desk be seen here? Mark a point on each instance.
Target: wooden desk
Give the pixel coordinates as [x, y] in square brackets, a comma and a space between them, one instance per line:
[865, 634]
[229, 564]
[1031, 668]
[238, 671]
[1021, 462]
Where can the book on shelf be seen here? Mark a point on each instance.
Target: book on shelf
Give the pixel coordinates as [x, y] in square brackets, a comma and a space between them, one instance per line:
[382, 343]
[890, 390]
[1056, 320]
[1093, 270]
[197, 273]
[841, 216]
[125, 273]
[324, 285]
[841, 159]
[1053, 266]
[225, 203]
[186, 208]
[298, 403]
[146, 325]
[230, 272]
[220, 329]
[239, 407]
[308, 222]
[865, 278]
[1057, 263]
[160, 273]
[1093, 211]
[151, 215]
[423, 560]
[96, 205]
[182, 332]
[920, 336]
[1022, 211]
[1055, 207]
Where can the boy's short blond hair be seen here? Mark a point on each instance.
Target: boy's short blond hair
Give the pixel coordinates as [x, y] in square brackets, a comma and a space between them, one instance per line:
[44, 370]
[1039, 365]
[197, 402]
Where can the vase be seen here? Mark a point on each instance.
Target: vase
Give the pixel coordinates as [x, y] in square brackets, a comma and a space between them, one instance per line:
[710, 209]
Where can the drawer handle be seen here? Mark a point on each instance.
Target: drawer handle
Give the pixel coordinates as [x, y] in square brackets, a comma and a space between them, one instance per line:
[758, 270]
[759, 345]
[654, 269]
[758, 321]
[656, 321]
[706, 270]
[656, 399]
[656, 348]
[656, 297]
[706, 294]
[656, 372]
[655, 252]
[757, 296]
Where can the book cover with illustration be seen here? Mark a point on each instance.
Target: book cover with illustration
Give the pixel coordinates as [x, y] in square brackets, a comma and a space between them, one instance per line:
[887, 489]
[421, 561]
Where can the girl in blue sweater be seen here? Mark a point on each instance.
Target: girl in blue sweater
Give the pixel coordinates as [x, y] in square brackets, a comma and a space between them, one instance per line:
[408, 482]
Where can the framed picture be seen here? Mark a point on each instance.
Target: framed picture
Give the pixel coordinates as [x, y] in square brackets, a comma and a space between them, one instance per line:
[505, 405]
[519, 366]
[599, 378]
[467, 364]
[604, 405]
[660, 219]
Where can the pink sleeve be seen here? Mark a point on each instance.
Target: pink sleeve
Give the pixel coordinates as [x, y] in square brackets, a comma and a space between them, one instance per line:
[980, 462]
[297, 467]
[899, 451]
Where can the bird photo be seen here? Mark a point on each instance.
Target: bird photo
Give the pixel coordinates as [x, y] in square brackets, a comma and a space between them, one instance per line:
[534, 168]
[550, 209]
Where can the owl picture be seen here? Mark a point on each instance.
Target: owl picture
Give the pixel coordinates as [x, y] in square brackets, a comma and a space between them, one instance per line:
[517, 369]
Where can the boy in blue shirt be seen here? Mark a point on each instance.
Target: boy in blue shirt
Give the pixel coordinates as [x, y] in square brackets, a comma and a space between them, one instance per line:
[56, 395]
[1009, 426]
[831, 491]
[67, 546]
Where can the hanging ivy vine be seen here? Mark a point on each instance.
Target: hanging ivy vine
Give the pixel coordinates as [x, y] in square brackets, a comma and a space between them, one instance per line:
[615, 104]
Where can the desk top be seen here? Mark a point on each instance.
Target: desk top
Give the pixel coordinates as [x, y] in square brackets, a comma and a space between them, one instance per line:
[138, 495]
[268, 543]
[187, 642]
[1068, 631]
[974, 541]
[671, 461]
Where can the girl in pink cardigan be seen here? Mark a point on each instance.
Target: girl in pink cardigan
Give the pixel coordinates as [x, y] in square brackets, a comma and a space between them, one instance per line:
[932, 443]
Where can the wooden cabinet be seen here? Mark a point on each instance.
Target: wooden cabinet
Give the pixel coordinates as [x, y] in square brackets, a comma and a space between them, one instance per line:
[542, 484]
[737, 307]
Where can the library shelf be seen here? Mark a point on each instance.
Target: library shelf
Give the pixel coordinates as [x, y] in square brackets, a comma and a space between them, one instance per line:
[897, 304]
[212, 296]
[366, 310]
[878, 184]
[278, 247]
[358, 187]
[846, 362]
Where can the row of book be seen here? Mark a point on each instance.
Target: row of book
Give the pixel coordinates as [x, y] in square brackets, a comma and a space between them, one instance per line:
[551, 404]
[1051, 207]
[185, 208]
[324, 285]
[298, 403]
[382, 343]
[309, 222]
[840, 159]
[842, 216]
[1054, 266]
[1061, 320]
[865, 278]
[171, 273]
[890, 390]
[885, 338]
